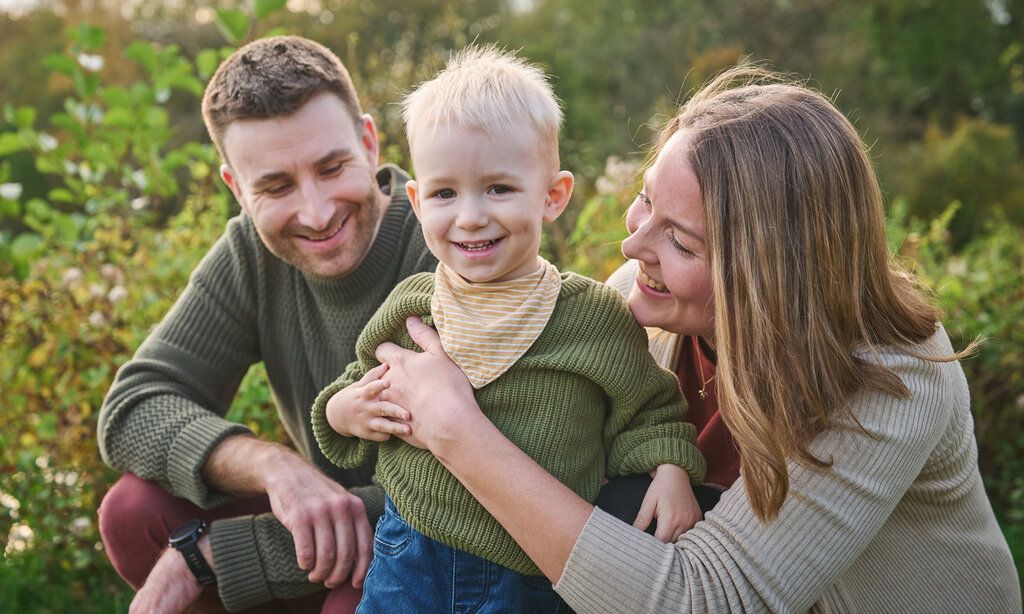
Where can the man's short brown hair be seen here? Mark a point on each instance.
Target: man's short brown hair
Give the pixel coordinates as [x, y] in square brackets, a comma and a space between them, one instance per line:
[272, 77]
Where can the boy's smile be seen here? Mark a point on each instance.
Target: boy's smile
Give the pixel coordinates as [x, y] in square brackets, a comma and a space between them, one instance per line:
[481, 201]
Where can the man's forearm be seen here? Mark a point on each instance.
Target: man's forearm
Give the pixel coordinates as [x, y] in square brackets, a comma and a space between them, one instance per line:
[242, 465]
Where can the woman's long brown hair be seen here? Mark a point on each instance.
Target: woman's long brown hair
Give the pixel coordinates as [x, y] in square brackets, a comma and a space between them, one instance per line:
[803, 280]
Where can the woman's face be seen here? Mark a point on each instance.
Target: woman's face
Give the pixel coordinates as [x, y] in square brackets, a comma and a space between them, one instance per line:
[666, 226]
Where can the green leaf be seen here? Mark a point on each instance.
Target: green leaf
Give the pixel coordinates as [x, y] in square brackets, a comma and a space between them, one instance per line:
[144, 53]
[263, 8]
[207, 62]
[24, 117]
[46, 428]
[233, 24]
[11, 142]
[58, 62]
[119, 117]
[25, 246]
[90, 38]
[116, 96]
[9, 208]
[67, 230]
[61, 195]
[278, 31]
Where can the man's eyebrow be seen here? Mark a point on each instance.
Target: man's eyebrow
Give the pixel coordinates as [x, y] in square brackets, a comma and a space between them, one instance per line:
[342, 153]
[334, 154]
[270, 178]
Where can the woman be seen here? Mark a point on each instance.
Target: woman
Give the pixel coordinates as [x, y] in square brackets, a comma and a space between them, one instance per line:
[760, 231]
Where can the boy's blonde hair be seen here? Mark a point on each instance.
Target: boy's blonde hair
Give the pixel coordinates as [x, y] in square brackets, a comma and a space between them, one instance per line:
[489, 89]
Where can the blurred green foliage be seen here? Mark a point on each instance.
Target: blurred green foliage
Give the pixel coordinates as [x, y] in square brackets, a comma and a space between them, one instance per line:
[109, 193]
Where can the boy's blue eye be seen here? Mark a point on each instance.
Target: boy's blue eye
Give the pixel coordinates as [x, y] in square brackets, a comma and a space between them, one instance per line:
[445, 193]
[500, 189]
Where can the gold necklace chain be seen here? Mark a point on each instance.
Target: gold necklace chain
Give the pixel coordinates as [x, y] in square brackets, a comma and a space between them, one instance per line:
[703, 392]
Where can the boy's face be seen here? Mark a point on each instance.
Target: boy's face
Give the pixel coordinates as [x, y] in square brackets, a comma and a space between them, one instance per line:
[482, 202]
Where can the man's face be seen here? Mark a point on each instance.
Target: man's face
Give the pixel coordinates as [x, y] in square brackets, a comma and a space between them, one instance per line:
[307, 181]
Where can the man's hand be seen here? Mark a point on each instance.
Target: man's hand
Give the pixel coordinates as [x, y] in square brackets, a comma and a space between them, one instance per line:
[357, 411]
[332, 535]
[670, 499]
[328, 524]
[170, 588]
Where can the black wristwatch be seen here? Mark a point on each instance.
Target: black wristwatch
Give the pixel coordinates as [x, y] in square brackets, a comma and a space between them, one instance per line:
[185, 539]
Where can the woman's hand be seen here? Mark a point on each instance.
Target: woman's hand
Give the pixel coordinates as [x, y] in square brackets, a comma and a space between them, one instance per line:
[670, 499]
[430, 386]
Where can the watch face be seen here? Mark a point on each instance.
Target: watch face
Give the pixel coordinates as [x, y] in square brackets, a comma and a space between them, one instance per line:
[190, 529]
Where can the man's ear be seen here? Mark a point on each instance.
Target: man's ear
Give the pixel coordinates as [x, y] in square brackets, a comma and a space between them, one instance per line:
[231, 180]
[412, 189]
[369, 140]
[559, 192]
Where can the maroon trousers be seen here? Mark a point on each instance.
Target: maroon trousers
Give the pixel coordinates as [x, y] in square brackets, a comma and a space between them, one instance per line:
[136, 517]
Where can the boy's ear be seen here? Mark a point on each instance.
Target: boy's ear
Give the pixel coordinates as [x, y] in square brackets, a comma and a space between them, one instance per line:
[230, 180]
[412, 190]
[559, 192]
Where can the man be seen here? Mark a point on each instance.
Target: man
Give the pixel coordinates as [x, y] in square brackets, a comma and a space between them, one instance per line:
[323, 238]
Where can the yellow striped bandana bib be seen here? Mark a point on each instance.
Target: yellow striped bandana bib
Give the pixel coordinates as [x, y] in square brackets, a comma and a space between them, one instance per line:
[487, 327]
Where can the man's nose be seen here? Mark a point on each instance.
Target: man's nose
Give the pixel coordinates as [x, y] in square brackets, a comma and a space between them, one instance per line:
[316, 208]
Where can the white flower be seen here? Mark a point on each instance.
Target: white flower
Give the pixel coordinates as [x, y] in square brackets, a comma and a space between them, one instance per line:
[42, 462]
[90, 62]
[19, 539]
[139, 179]
[163, 95]
[116, 294]
[605, 185]
[70, 276]
[10, 191]
[110, 272]
[97, 290]
[139, 203]
[80, 525]
[96, 319]
[9, 501]
[47, 142]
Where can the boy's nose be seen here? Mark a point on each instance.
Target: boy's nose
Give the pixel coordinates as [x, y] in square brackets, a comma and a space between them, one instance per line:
[471, 215]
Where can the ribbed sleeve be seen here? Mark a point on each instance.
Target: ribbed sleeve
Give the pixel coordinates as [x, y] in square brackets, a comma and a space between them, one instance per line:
[897, 524]
[163, 415]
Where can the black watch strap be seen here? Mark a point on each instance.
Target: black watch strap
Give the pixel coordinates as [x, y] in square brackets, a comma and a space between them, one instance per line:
[185, 539]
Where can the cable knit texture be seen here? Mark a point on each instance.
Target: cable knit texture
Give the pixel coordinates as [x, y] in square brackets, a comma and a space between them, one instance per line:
[164, 414]
[586, 401]
[899, 523]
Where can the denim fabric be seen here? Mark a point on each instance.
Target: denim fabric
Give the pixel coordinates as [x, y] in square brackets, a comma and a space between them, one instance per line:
[411, 572]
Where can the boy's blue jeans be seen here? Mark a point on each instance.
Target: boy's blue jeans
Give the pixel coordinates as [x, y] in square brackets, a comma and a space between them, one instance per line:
[411, 572]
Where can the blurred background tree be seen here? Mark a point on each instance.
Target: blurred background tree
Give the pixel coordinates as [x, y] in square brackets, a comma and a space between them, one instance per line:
[109, 192]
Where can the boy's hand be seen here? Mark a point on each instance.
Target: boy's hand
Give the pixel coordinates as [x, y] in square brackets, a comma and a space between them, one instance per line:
[357, 411]
[670, 499]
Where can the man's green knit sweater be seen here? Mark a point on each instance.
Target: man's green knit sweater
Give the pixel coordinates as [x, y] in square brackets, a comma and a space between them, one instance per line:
[164, 414]
[586, 401]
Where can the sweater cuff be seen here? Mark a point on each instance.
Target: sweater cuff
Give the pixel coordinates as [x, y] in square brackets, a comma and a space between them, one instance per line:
[188, 454]
[241, 582]
[663, 451]
[606, 569]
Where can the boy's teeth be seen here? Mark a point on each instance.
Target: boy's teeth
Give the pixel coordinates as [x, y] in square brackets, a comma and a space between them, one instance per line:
[477, 245]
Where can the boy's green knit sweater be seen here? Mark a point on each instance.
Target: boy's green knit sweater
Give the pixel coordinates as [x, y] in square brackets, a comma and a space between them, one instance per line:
[586, 401]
